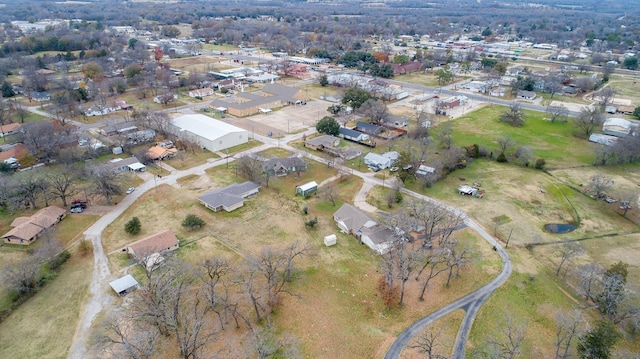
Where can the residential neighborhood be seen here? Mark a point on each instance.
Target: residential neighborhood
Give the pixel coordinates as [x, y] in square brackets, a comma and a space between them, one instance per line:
[314, 179]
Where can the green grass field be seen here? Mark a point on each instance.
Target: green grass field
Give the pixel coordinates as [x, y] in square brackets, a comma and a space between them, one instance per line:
[554, 142]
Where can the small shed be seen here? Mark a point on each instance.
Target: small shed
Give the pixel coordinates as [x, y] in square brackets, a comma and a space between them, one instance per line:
[330, 240]
[307, 188]
[124, 285]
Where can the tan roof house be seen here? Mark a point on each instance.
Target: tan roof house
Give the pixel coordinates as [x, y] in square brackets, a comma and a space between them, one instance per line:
[27, 229]
[160, 242]
[9, 129]
[160, 153]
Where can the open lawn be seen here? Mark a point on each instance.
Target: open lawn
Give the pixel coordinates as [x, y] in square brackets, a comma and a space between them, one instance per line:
[552, 141]
[187, 160]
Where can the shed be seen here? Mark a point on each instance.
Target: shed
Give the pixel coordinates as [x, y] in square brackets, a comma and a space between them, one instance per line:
[124, 285]
[307, 188]
[330, 240]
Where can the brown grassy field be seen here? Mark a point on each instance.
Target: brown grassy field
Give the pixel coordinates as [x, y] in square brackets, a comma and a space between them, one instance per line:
[44, 326]
[336, 311]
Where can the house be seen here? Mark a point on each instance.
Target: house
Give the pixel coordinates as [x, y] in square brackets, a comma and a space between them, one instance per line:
[27, 229]
[526, 95]
[612, 109]
[425, 170]
[626, 110]
[122, 105]
[381, 162]
[209, 133]
[40, 96]
[10, 129]
[352, 221]
[230, 197]
[369, 128]
[284, 166]
[321, 142]
[353, 135]
[159, 153]
[124, 285]
[395, 121]
[119, 165]
[616, 126]
[165, 98]
[160, 242]
[201, 92]
[409, 67]
[307, 188]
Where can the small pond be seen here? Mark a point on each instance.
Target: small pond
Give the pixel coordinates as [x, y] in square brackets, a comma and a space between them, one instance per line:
[559, 227]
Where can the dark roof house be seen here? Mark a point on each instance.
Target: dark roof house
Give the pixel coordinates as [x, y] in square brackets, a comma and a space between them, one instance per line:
[282, 166]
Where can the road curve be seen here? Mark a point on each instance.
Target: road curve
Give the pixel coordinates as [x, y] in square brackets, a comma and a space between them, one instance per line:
[470, 303]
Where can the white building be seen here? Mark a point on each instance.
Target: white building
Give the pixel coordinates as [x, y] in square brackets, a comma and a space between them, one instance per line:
[209, 133]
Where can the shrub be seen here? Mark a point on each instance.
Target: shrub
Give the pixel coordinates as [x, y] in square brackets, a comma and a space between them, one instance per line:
[133, 226]
[85, 247]
[312, 222]
[191, 221]
[305, 210]
[501, 158]
[540, 163]
[59, 260]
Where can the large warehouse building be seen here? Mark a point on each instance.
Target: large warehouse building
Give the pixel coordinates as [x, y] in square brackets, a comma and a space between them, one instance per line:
[209, 133]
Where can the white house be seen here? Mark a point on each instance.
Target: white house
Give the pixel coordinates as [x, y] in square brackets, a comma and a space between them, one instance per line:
[351, 220]
[209, 133]
[201, 92]
[380, 161]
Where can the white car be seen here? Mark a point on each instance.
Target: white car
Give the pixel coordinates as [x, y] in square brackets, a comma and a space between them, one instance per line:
[130, 190]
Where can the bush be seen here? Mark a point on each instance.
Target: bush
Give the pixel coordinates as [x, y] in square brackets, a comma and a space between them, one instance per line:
[191, 221]
[59, 260]
[540, 163]
[305, 210]
[501, 158]
[85, 247]
[133, 226]
[312, 222]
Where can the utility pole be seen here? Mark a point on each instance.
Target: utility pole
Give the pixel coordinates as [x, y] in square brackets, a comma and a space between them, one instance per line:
[508, 238]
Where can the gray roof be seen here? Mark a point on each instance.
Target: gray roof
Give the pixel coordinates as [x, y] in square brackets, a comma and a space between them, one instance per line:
[368, 128]
[124, 162]
[124, 283]
[286, 93]
[349, 132]
[228, 196]
[288, 162]
[324, 140]
[378, 234]
[389, 118]
[352, 217]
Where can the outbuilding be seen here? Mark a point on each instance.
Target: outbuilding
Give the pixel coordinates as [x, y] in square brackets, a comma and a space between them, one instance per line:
[124, 285]
[330, 240]
[209, 133]
[307, 188]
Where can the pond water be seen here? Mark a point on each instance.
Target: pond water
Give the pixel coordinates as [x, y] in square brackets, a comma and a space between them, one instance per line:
[559, 227]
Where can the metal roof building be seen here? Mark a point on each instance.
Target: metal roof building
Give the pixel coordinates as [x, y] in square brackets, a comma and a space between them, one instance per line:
[209, 133]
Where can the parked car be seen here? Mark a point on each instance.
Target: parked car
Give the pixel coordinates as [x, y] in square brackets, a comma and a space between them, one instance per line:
[76, 210]
[130, 190]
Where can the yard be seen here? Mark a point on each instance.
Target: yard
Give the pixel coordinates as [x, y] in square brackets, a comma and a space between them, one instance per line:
[554, 142]
[337, 292]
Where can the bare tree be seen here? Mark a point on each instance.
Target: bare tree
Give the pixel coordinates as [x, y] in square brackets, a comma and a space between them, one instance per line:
[599, 184]
[505, 142]
[605, 95]
[513, 334]
[569, 326]
[588, 279]
[514, 115]
[104, 182]
[129, 337]
[62, 182]
[427, 343]
[434, 264]
[249, 167]
[568, 250]
[329, 192]
[373, 109]
[589, 120]
[266, 344]
[557, 113]
[213, 275]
